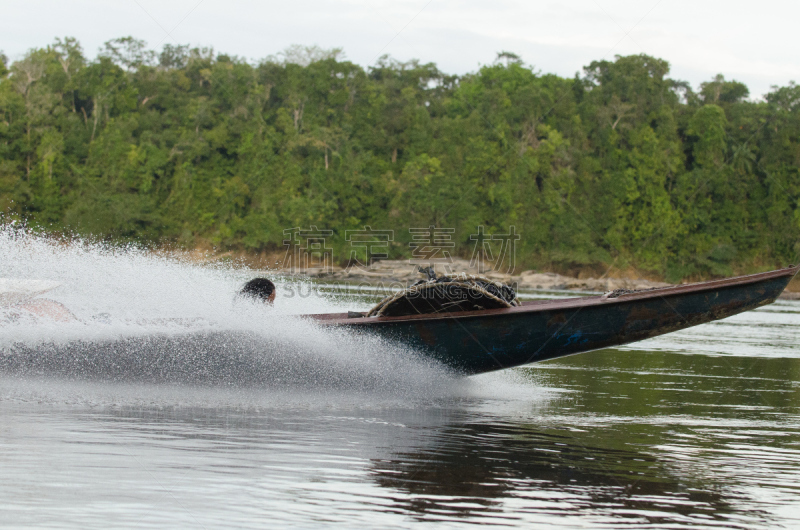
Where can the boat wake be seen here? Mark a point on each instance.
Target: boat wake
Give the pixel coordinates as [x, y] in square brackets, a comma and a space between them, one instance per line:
[142, 316]
[233, 358]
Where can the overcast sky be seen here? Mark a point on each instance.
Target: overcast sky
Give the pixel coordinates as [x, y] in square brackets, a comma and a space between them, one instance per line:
[753, 42]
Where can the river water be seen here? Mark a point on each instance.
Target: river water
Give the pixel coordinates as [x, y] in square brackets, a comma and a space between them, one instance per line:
[305, 428]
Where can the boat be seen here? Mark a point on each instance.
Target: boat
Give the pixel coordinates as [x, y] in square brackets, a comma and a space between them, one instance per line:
[474, 342]
[16, 291]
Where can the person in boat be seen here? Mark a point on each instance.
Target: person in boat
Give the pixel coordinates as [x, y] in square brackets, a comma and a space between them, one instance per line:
[259, 289]
[18, 299]
[37, 309]
[47, 309]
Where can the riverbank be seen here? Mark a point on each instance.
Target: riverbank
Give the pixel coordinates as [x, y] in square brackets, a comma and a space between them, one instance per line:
[405, 272]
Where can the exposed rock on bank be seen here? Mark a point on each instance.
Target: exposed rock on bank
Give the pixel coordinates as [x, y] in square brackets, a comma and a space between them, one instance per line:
[403, 272]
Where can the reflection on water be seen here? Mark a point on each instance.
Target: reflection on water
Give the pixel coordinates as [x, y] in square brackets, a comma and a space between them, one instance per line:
[605, 439]
[254, 418]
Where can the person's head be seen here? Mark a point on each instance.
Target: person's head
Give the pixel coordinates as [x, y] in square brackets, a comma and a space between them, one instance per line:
[260, 289]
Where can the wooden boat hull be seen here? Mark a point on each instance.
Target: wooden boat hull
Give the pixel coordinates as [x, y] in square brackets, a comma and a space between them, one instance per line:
[483, 341]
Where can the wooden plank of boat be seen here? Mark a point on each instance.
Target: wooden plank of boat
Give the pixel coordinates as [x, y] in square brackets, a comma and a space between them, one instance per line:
[482, 341]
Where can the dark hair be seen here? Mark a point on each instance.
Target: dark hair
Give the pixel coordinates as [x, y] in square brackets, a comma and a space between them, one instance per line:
[259, 289]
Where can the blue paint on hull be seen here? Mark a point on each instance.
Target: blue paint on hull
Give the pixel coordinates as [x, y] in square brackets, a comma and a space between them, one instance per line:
[494, 340]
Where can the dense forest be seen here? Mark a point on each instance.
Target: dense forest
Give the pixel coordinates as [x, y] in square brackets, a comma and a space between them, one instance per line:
[620, 165]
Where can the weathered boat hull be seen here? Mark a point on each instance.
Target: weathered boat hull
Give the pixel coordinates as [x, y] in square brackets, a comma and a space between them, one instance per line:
[483, 341]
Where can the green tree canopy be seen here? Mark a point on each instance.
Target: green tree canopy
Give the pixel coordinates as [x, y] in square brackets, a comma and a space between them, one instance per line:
[621, 165]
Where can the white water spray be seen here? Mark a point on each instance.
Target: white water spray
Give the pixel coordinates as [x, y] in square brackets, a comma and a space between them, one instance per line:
[147, 316]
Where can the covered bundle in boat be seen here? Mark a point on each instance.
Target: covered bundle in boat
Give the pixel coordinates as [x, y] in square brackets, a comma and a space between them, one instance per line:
[446, 294]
